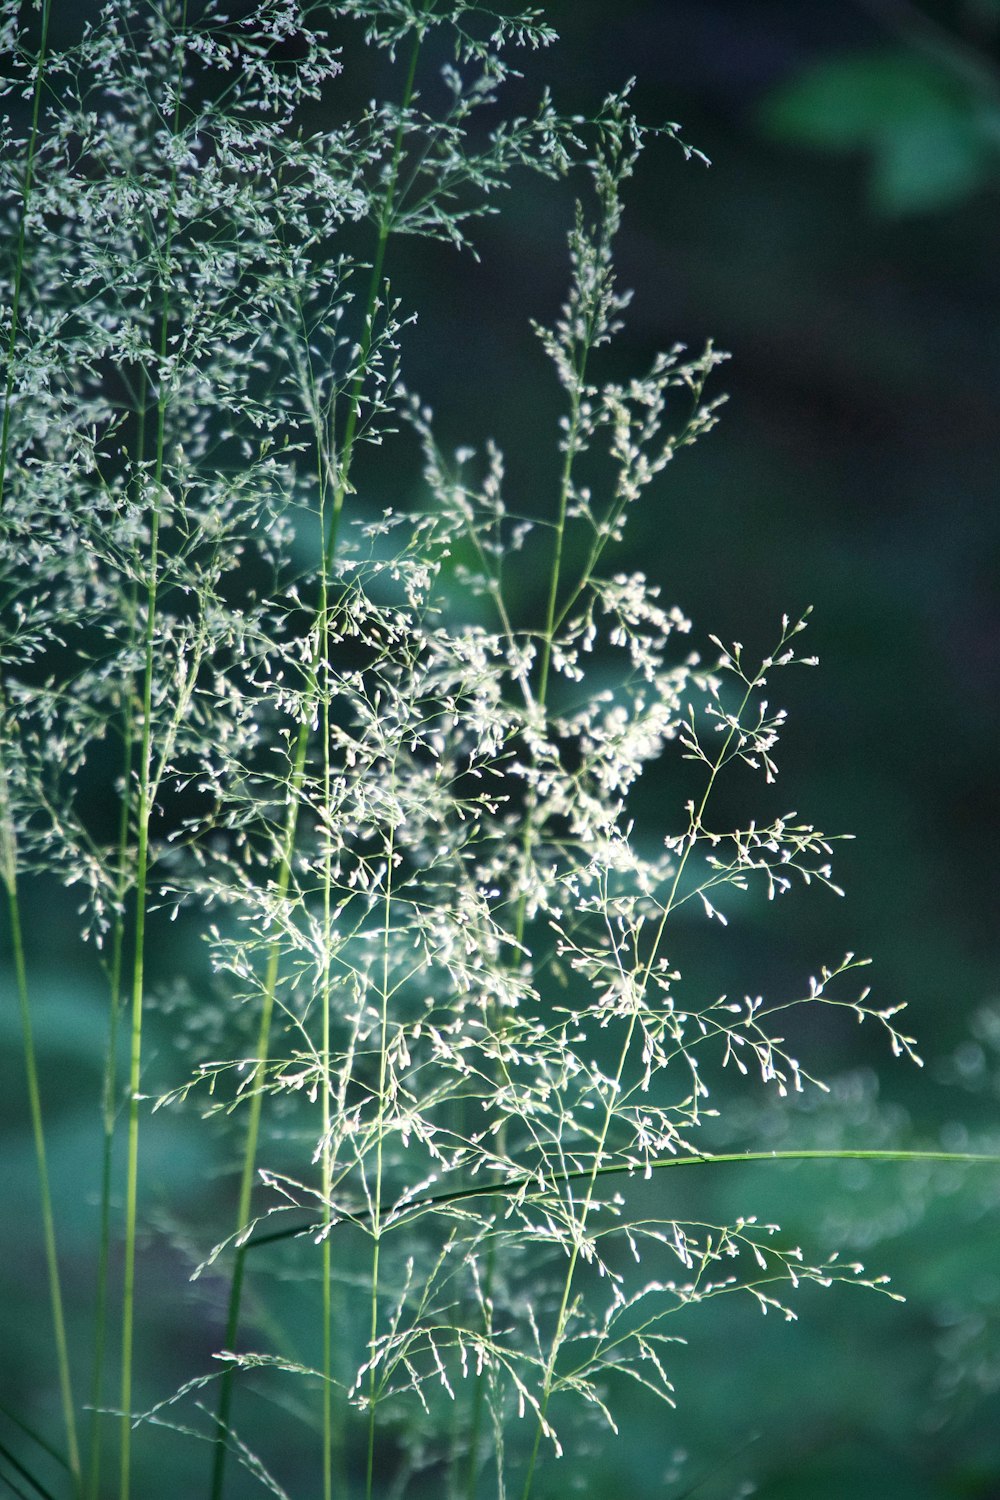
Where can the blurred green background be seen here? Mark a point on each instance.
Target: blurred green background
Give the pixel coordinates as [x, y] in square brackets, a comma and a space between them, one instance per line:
[844, 247]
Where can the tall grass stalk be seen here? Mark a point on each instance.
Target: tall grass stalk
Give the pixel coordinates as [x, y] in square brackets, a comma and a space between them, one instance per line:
[38, 1136]
[145, 796]
[110, 1089]
[326, 1001]
[143, 815]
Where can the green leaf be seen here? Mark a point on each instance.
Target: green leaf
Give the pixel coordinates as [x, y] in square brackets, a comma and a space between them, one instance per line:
[846, 102]
[928, 165]
[928, 141]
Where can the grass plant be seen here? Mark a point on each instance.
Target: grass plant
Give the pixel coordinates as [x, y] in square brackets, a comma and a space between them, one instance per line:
[442, 1034]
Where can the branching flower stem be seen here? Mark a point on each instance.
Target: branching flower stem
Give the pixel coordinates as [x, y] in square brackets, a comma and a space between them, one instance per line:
[448, 944]
[697, 816]
[565, 489]
[580, 1228]
[296, 779]
[580, 1224]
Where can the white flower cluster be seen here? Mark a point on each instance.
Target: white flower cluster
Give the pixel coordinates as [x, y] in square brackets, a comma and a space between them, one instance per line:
[395, 794]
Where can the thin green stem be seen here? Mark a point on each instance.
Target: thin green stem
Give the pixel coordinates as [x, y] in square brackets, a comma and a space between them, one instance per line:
[511, 1186]
[479, 1392]
[253, 1122]
[528, 836]
[38, 1134]
[327, 1275]
[555, 577]
[323, 668]
[377, 1205]
[580, 1229]
[109, 1095]
[109, 1105]
[372, 1378]
[144, 808]
[565, 488]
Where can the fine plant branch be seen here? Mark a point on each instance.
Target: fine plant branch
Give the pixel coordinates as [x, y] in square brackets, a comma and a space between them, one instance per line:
[581, 1219]
[517, 1185]
[586, 323]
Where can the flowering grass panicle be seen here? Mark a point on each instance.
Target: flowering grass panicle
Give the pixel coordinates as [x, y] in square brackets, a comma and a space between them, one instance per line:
[442, 1032]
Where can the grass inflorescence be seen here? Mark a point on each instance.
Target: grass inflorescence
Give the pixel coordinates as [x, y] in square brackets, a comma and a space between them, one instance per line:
[442, 1029]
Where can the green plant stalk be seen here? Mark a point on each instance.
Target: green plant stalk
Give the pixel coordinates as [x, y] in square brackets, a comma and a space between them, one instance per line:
[327, 1162]
[253, 1123]
[326, 1258]
[377, 1215]
[320, 684]
[565, 485]
[479, 1393]
[658, 1164]
[38, 1134]
[564, 492]
[144, 810]
[248, 1170]
[108, 1122]
[109, 1107]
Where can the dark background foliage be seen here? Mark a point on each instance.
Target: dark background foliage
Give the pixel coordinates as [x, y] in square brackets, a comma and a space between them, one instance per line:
[843, 247]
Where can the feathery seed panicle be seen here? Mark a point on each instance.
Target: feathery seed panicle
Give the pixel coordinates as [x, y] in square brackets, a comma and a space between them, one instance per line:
[401, 813]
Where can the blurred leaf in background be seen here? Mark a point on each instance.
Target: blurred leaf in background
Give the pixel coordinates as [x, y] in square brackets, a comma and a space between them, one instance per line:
[932, 136]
